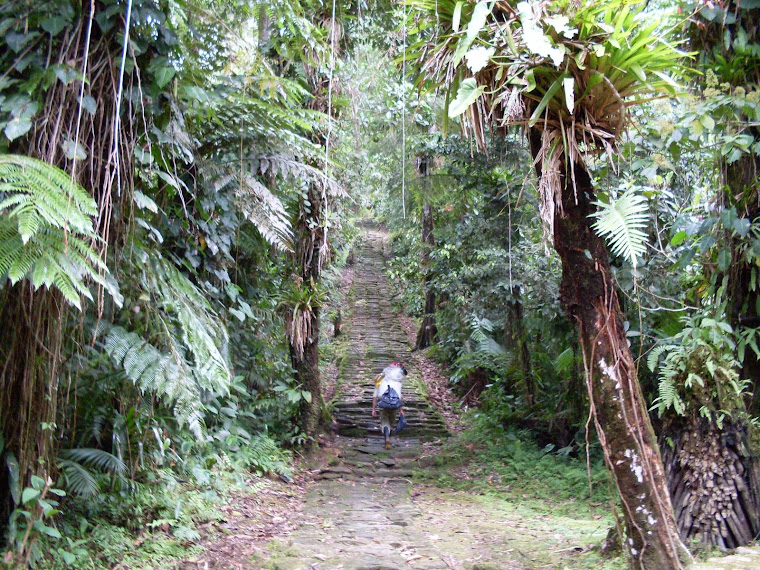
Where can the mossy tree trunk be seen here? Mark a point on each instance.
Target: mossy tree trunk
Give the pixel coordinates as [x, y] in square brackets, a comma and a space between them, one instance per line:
[306, 367]
[712, 472]
[588, 295]
[31, 357]
[30, 361]
[311, 250]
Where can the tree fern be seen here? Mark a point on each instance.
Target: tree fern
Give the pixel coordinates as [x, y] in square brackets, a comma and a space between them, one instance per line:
[46, 229]
[167, 375]
[257, 203]
[622, 223]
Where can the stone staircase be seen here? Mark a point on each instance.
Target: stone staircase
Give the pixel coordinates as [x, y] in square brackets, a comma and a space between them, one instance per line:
[358, 513]
[376, 340]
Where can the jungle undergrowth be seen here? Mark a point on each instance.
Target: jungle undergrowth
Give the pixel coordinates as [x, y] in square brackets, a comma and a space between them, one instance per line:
[490, 459]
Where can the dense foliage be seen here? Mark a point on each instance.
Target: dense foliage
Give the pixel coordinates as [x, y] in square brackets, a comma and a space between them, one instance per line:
[176, 187]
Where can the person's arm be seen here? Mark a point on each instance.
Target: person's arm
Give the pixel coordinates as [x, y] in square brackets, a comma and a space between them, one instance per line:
[378, 381]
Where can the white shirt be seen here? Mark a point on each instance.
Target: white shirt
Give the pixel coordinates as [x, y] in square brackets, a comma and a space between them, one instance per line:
[391, 376]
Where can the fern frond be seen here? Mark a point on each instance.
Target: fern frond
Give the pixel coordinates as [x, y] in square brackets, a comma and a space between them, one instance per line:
[622, 223]
[653, 358]
[564, 361]
[189, 353]
[669, 397]
[257, 202]
[203, 333]
[481, 334]
[46, 229]
[161, 374]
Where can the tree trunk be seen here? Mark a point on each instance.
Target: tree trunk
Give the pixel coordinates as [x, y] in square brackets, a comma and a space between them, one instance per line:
[307, 373]
[310, 254]
[427, 332]
[741, 179]
[711, 481]
[517, 342]
[625, 432]
[30, 361]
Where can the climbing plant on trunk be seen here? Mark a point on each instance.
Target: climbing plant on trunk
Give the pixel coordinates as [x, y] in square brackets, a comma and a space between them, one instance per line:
[709, 368]
[314, 218]
[568, 73]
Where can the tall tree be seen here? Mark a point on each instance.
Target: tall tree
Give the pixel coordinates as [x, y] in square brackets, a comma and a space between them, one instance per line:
[705, 413]
[314, 221]
[427, 331]
[568, 72]
[80, 129]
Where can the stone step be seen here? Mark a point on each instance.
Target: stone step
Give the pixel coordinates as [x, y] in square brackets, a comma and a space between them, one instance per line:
[375, 339]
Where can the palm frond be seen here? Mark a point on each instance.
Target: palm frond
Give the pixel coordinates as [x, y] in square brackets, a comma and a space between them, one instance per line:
[564, 361]
[622, 223]
[76, 465]
[79, 480]
[95, 458]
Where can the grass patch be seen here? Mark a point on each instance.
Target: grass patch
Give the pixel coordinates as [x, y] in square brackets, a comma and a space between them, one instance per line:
[489, 458]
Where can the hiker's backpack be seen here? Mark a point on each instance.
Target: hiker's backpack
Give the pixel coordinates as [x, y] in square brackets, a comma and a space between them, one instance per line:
[390, 400]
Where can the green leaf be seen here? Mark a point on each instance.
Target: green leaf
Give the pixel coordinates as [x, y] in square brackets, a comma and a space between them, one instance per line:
[66, 74]
[678, 238]
[28, 495]
[16, 128]
[37, 482]
[162, 70]
[46, 529]
[724, 259]
[477, 22]
[707, 122]
[145, 202]
[89, 104]
[468, 92]
[545, 100]
[54, 24]
[535, 40]
[457, 16]
[742, 226]
[73, 150]
[17, 42]
[15, 483]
